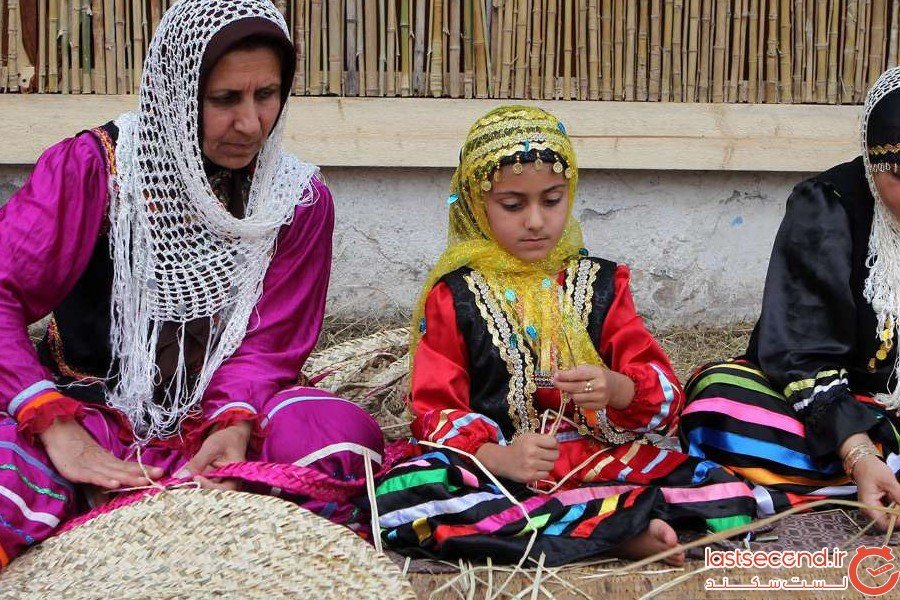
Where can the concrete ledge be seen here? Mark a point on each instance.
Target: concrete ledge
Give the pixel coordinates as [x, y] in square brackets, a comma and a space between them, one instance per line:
[406, 132]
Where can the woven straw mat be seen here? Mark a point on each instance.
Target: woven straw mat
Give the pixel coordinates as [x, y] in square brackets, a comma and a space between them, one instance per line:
[205, 544]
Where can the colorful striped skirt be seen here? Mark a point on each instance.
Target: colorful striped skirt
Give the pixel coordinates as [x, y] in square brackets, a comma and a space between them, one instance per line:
[440, 504]
[736, 418]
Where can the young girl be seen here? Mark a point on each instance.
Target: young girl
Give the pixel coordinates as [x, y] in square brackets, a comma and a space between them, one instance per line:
[515, 323]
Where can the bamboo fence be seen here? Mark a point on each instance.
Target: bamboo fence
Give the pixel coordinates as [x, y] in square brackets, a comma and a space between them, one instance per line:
[772, 51]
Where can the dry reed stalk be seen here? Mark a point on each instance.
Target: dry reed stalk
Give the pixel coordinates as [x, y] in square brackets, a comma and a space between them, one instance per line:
[537, 39]
[833, 57]
[52, 44]
[370, 12]
[494, 12]
[445, 40]
[11, 82]
[138, 21]
[406, 48]
[784, 52]
[666, 59]
[809, 40]
[721, 34]
[360, 48]
[692, 50]
[109, 46]
[606, 50]
[593, 39]
[505, 45]
[156, 10]
[468, 51]
[862, 57]
[643, 38]
[704, 76]
[581, 48]
[798, 51]
[42, 45]
[631, 11]
[849, 54]
[567, 49]
[392, 48]
[419, 83]
[4, 77]
[119, 20]
[335, 51]
[64, 15]
[550, 51]
[772, 53]
[893, 36]
[99, 73]
[737, 57]
[678, 52]
[753, 53]
[314, 75]
[655, 50]
[821, 64]
[86, 47]
[437, 48]
[129, 49]
[75, 43]
[300, 44]
[521, 58]
[878, 39]
[351, 82]
[382, 46]
[482, 67]
[619, 50]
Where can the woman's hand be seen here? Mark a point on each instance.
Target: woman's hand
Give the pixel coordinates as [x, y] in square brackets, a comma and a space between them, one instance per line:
[876, 484]
[222, 447]
[594, 388]
[80, 459]
[530, 457]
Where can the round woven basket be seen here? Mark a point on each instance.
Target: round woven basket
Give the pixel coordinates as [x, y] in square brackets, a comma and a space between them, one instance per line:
[205, 544]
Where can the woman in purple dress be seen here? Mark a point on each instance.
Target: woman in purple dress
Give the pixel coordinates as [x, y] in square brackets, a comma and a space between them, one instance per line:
[185, 260]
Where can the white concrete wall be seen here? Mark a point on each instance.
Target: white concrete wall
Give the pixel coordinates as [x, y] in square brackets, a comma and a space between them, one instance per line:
[698, 242]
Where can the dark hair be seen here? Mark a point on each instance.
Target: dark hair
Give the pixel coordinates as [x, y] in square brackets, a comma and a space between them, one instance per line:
[547, 156]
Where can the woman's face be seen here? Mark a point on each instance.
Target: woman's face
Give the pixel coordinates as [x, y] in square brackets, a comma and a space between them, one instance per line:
[888, 185]
[240, 106]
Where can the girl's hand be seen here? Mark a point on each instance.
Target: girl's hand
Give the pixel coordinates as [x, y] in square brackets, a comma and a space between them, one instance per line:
[530, 457]
[222, 447]
[594, 388]
[80, 459]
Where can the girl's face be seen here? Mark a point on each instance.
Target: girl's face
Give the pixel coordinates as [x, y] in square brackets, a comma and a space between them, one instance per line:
[240, 106]
[527, 213]
[888, 185]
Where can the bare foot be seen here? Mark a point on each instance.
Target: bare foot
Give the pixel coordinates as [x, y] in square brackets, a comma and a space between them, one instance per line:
[658, 536]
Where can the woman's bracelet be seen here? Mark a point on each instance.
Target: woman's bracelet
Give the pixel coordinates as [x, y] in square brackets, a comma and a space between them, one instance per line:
[856, 453]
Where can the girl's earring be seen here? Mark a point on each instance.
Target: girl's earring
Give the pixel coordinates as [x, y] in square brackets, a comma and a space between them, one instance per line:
[517, 168]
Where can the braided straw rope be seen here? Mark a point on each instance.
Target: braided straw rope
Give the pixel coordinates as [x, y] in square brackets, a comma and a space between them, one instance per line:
[205, 544]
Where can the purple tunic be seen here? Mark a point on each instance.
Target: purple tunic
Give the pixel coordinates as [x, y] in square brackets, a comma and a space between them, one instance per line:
[48, 231]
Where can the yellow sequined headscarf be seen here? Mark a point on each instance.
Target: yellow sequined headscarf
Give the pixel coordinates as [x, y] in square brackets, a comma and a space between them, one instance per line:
[527, 292]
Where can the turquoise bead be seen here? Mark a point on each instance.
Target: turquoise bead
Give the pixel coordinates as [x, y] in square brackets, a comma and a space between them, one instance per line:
[546, 283]
[510, 295]
[422, 325]
[452, 198]
[513, 341]
[532, 332]
[561, 127]
[583, 251]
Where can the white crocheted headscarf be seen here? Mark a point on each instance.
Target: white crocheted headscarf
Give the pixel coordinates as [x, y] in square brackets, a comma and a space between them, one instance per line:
[178, 253]
[882, 288]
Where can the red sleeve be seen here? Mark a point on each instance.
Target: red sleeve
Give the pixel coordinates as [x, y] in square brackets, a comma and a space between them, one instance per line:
[440, 382]
[628, 348]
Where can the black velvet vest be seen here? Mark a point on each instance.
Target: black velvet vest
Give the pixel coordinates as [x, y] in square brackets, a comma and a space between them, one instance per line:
[489, 374]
